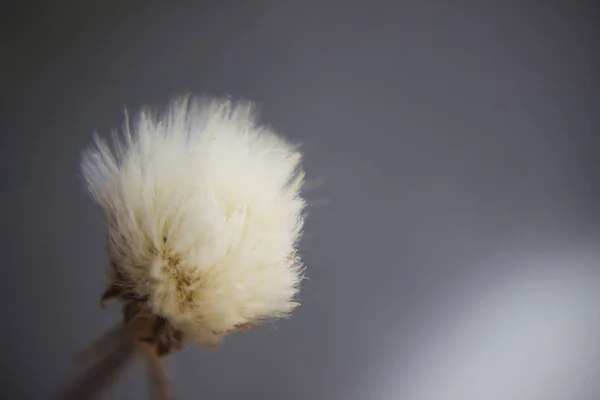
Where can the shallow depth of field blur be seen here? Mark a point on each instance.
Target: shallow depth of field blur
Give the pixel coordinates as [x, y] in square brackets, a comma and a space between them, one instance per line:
[452, 250]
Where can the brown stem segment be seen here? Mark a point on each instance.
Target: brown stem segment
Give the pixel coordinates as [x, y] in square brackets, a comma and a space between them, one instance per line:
[104, 345]
[107, 358]
[100, 376]
[160, 386]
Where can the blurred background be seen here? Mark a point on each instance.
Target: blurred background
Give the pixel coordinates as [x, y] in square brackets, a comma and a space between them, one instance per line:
[452, 251]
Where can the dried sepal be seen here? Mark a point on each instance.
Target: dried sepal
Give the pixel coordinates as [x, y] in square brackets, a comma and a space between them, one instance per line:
[112, 292]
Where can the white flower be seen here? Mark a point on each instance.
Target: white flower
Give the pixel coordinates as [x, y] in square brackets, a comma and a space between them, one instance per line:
[204, 214]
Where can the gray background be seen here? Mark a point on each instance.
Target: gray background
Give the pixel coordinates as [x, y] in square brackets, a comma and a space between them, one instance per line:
[452, 251]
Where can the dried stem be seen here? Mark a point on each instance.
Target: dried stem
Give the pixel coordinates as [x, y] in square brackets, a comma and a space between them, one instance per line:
[159, 383]
[104, 345]
[102, 374]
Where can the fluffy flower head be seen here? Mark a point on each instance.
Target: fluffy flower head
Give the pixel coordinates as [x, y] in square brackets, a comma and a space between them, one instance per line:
[204, 214]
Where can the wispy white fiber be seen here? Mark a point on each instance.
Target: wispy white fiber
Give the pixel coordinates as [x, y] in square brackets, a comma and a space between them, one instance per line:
[204, 213]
